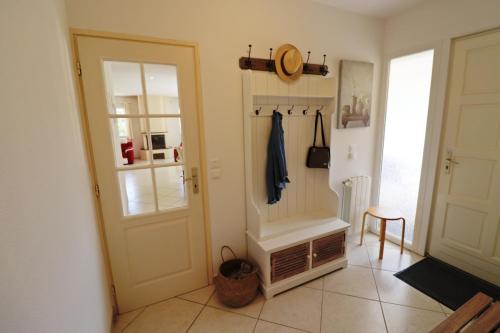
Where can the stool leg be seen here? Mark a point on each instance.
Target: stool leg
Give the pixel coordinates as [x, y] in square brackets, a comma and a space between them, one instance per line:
[382, 238]
[363, 228]
[403, 236]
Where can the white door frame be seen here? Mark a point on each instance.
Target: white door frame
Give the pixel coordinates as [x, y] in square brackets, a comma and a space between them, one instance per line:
[432, 137]
[74, 33]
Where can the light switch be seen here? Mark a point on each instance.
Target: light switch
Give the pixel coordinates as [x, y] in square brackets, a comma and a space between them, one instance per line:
[352, 151]
[215, 173]
[214, 163]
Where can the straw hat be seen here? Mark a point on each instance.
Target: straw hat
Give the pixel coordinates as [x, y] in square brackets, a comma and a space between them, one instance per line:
[288, 62]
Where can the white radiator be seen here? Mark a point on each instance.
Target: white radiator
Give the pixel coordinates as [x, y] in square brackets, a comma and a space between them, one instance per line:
[355, 200]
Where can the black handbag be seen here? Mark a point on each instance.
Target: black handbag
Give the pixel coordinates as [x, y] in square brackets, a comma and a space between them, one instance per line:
[318, 157]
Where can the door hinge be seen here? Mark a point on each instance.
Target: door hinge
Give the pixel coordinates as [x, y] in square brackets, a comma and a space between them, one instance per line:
[97, 190]
[113, 290]
[79, 68]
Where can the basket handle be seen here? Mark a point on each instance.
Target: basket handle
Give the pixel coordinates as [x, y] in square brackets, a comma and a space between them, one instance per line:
[222, 252]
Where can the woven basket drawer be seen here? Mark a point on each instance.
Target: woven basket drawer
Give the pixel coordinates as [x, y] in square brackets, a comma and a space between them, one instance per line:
[289, 262]
[328, 248]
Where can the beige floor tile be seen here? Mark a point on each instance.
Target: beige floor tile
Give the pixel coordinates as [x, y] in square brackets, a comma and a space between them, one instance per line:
[267, 327]
[352, 238]
[357, 255]
[124, 320]
[218, 321]
[446, 309]
[393, 260]
[174, 315]
[368, 239]
[299, 308]
[315, 284]
[200, 295]
[351, 314]
[401, 319]
[352, 280]
[252, 309]
[393, 290]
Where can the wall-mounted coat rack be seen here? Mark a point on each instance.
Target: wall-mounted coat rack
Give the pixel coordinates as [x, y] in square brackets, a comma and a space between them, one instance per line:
[268, 65]
[266, 110]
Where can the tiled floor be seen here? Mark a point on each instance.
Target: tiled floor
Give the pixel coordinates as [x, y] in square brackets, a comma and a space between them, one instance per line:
[364, 297]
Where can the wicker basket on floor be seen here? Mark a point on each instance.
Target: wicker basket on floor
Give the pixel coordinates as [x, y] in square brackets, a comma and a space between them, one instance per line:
[237, 282]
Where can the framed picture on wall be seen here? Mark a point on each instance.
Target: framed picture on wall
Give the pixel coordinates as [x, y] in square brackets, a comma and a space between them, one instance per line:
[355, 94]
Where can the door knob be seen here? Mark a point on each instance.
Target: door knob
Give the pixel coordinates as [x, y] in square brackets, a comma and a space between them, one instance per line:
[448, 162]
[193, 179]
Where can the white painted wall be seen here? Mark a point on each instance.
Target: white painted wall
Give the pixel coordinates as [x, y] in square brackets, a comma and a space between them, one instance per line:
[439, 20]
[52, 278]
[223, 30]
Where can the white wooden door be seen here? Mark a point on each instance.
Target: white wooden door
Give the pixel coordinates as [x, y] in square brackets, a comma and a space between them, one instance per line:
[141, 96]
[466, 226]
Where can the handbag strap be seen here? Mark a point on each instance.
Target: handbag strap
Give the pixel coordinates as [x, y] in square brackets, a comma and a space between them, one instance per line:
[320, 117]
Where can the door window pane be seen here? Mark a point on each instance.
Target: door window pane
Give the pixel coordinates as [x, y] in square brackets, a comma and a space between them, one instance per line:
[166, 138]
[161, 89]
[136, 191]
[124, 87]
[171, 188]
[130, 142]
[405, 126]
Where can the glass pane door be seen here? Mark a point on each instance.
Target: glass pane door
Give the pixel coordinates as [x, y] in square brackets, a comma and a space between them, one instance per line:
[145, 122]
[404, 136]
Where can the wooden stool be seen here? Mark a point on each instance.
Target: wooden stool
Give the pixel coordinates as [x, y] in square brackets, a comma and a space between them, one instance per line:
[384, 214]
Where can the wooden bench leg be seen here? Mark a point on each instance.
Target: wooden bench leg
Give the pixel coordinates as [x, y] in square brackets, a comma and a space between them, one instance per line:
[382, 238]
[403, 236]
[363, 228]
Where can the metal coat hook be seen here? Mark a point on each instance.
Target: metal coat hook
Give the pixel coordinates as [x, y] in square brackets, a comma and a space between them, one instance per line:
[257, 112]
[290, 110]
[306, 65]
[304, 112]
[321, 108]
[248, 61]
[322, 68]
[270, 62]
[277, 108]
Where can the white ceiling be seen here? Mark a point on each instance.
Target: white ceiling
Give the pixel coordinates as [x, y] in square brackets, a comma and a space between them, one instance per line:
[126, 79]
[377, 8]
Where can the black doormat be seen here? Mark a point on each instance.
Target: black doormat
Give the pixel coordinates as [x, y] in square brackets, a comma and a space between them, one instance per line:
[446, 284]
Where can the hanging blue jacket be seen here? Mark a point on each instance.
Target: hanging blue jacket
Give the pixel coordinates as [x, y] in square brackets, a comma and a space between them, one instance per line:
[276, 173]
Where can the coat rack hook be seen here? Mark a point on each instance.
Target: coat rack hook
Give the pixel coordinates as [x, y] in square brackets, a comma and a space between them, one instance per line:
[248, 62]
[290, 110]
[304, 112]
[322, 68]
[257, 112]
[306, 65]
[277, 108]
[270, 62]
[320, 108]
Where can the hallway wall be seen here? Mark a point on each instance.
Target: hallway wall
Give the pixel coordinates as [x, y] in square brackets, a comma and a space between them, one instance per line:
[52, 276]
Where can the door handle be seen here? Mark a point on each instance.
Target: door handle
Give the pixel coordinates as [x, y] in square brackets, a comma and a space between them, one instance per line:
[448, 162]
[193, 179]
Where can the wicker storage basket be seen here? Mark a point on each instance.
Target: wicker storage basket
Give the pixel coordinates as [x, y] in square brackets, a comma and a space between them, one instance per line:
[237, 282]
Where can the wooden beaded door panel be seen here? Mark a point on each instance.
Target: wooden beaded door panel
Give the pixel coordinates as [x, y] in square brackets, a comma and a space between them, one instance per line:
[327, 249]
[141, 107]
[289, 262]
